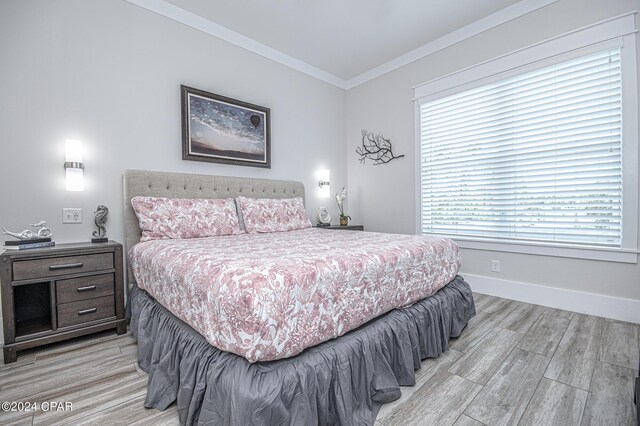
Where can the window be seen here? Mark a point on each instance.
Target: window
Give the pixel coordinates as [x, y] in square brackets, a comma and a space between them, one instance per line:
[533, 157]
[536, 157]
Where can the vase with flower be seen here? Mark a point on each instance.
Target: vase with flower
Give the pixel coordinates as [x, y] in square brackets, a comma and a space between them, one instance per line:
[340, 197]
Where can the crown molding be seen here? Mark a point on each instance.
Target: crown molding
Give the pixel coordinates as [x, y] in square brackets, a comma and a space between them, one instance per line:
[175, 13]
[199, 23]
[488, 22]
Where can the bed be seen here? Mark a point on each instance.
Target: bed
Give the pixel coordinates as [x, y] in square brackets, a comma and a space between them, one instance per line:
[284, 327]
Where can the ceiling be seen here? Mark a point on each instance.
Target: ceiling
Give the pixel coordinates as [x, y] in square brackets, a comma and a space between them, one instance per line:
[342, 39]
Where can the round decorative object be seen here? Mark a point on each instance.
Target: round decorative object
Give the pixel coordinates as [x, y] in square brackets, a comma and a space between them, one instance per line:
[323, 216]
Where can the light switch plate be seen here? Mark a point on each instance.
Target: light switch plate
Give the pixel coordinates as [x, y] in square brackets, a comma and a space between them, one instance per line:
[71, 215]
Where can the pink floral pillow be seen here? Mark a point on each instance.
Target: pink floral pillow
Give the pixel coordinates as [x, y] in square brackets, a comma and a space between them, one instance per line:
[273, 215]
[172, 218]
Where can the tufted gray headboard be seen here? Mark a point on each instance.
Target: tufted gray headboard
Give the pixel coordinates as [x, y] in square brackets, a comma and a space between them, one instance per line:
[184, 185]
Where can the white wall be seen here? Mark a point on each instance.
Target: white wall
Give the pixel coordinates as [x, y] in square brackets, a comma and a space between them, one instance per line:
[382, 197]
[109, 73]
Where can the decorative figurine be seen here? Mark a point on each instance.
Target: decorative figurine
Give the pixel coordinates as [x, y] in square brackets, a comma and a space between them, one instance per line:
[102, 213]
[323, 216]
[43, 232]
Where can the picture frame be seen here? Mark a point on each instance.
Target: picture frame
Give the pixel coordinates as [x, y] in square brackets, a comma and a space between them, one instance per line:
[219, 129]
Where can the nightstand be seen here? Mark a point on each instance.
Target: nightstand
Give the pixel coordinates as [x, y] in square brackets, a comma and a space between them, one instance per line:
[57, 293]
[346, 227]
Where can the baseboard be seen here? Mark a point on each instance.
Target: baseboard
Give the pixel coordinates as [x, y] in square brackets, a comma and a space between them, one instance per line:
[599, 305]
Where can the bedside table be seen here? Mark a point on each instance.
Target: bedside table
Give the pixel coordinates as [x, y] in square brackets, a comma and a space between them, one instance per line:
[346, 227]
[57, 293]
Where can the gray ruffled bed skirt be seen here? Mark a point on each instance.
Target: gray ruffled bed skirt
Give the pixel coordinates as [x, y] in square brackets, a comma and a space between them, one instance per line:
[340, 382]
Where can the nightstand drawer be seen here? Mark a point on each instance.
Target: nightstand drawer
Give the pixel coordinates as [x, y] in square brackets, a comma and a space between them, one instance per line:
[84, 288]
[85, 310]
[55, 266]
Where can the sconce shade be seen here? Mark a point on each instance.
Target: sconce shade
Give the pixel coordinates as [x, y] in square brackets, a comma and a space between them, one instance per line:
[75, 180]
[73, 165]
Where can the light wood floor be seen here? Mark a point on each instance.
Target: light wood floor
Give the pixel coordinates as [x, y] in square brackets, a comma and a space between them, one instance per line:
[515, 363]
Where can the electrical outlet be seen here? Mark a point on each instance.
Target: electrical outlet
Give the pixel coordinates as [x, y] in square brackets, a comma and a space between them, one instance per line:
[495, 266]
[71, 215]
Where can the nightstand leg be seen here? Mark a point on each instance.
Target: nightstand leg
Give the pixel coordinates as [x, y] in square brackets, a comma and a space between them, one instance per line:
[121, 328]
[9, 354]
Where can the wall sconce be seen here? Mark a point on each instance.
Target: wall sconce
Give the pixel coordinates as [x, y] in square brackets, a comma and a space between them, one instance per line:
[73, 165]
[324, 183]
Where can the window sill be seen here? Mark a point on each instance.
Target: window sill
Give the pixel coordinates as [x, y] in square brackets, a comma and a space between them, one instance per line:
[542, 249]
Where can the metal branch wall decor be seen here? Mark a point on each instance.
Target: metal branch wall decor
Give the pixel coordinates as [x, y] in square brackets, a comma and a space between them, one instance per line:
[376, 148]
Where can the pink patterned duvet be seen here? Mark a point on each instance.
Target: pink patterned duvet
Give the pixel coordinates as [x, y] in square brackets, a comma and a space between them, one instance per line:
[270, 296]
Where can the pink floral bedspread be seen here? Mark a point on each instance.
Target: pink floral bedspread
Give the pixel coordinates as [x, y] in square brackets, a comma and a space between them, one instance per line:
[270, 296]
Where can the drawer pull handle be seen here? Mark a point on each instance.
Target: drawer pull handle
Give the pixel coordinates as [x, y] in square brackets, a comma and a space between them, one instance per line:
[87, 288]
[66, 266]
[87, 311]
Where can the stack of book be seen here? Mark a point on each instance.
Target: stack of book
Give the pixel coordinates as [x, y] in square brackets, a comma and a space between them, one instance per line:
[33, 243]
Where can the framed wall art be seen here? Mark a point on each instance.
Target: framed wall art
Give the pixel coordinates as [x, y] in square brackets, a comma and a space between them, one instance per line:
[218, 129]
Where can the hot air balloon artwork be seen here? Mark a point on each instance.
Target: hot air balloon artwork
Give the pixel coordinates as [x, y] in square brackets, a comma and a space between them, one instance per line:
[218, 129]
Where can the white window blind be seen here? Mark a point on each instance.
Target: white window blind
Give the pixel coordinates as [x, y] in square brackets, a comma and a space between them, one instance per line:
[535, 157]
